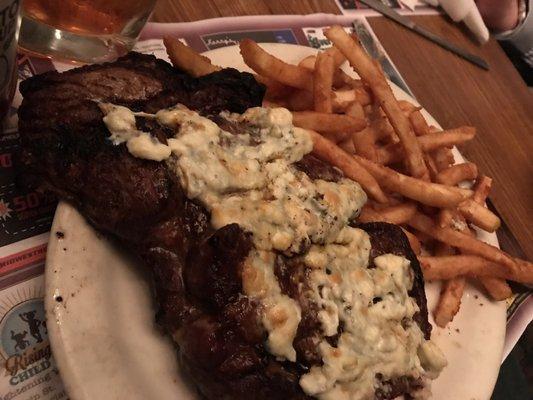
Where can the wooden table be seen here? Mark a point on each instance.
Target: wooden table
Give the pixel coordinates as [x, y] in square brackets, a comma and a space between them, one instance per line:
[497, 102]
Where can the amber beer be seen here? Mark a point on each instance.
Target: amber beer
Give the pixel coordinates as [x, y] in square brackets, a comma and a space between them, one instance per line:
[8, 52]
[86, 16]
[83, 30]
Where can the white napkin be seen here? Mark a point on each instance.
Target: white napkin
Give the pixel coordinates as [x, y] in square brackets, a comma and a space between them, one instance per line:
[467, 12]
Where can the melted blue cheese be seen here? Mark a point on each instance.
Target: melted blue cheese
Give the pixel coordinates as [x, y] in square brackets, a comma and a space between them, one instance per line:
[375, 310]
[120, 122]
[248, 178]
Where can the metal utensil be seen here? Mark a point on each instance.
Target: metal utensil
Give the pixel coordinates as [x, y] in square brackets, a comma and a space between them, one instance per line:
[406, 22]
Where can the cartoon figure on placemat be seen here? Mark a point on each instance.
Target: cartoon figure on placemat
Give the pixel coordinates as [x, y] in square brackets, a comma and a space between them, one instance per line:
[33, 324]
[19, 339]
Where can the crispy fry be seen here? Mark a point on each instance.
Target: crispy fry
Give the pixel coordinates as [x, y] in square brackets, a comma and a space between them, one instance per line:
[300, 100]
[431, 194]
[460, 240]
[271, 67]
[394, 152]
[308, 62]
[479, 215]
[364, 66]
[497, 288]
[323, 83]
[432, 167]
[370, 215]
[274, 89]
[447, 267]
[347, 145]
[420, 126]
[329, 152]
[355, 109]
[399, 214]
[443, 157]
[482, 189]
[338, 57]
[457, 173]
[364, 143]
[185, 58]
[324, 122]
[449, 301]
[343, 98]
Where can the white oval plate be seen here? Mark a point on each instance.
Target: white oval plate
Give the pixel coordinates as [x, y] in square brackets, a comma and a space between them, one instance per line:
[107, 345]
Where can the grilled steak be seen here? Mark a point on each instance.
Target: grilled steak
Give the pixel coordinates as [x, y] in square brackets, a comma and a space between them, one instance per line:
[197, 269]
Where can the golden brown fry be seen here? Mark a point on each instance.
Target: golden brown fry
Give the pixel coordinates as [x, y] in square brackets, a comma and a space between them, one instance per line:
[449, 301]
[343, 98]
[329, 152]
[370, 215]
[323, 83]
[447, 267]
[497, 288]
[338, 57]
[457, 173]
[300, 100]
[325, 122]
[394, 152]
[347, 146]
[482, 189]
[274, 89]
[479, 215]
[399, 214]
[443, 157]
[364, 143]
[267, 65]
[308, 62]
[460, 240]
[367, 70]
[431, 194]
[420, 126]
[432, 166]
[185, 58]
[355, 109]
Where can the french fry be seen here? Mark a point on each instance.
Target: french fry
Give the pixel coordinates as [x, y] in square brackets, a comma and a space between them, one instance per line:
[324, 122]
[449, 301]
[443, 157]
[431, 194]
[399, 214]
[457, 173]
[394, 152]
[364, 144]
[347, 146]
[432, 167]
[300, 100]
[367, 70]
[482, 189]
[336, 55]
[308, 62]
[323, 83]
[497, 288]
[185, 58]
[370, 215]
[329, 152]
[274, 89]
[343, 98]
[420, 126]
[460, 240]
[267, 65]
[479, 215]
[448, 267]
[355, 110]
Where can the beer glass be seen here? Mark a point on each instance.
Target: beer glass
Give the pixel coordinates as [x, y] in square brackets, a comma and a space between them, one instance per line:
[82, 30]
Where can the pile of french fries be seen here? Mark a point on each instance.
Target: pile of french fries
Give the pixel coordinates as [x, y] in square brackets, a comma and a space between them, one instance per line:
[405, 166]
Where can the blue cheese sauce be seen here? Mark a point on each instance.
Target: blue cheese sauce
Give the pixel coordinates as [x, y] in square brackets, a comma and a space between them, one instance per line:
[249, 179]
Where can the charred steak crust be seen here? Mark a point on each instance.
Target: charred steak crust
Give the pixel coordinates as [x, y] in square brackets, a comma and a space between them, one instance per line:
[141, 203]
